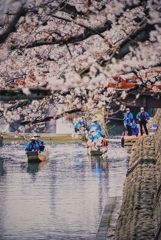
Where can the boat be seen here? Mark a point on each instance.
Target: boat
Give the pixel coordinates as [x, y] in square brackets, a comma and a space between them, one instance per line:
[130, 140]
[37, 156]
[97, 147]
[94, 150]
[97, 152]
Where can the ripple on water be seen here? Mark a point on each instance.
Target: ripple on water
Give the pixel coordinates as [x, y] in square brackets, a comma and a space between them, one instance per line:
[60, 199]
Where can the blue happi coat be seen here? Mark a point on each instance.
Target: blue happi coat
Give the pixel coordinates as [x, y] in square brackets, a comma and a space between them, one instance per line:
[41, 144]
[78, 124]
[135, 129]
[32, 146]
[96, 135]
[128, 118]
[138, 116]
[95, 125]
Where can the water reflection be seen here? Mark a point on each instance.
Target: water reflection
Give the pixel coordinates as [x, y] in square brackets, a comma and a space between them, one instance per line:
[2, 170]
[78, 160]
[33, 167]
[99, 165]
[128, 149]
[127, 162]
[62, 198]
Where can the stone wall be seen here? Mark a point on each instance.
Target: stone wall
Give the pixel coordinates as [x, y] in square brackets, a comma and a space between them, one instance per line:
[140, 214]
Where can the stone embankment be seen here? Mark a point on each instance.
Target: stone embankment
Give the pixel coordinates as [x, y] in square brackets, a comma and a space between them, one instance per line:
[140, 213]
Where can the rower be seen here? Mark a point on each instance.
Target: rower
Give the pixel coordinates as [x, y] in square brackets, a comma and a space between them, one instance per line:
[39, 141]
[32, 145]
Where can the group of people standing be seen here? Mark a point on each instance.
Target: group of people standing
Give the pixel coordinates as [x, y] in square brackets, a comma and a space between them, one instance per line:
[95, 131]
[131, 126]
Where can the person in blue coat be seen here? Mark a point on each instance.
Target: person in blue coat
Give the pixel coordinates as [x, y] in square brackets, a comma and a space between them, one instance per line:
[135, 129]
[80, 123]
[32, 145]
[142, 117]
[94, 135]
[39, 141]
[128, 119]
[94, 124]
[95, 138]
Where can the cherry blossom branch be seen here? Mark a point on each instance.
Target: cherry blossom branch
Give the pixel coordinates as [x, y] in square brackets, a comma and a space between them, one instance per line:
[17, 94]
[148, 81]
[79, 24]
[70, 9]
[19, 104]
[88, 32]
[132, 40]
[140, 35]
[48, 118]
[11, 28]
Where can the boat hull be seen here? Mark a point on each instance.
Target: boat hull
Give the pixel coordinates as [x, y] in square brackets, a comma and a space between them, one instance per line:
[129, 140]
[96, 152]
[36, 156]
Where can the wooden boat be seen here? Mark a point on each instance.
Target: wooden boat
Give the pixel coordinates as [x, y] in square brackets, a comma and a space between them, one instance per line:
[97, 152]
[33, 167]
[94, 150]
[129, 140]
[37, 156]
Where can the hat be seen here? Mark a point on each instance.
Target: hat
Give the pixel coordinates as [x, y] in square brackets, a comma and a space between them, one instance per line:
[94, 119]
[33, 138]
[141, 108]
[127, 109]
[80, 119]
[36, 135]
[93, 129]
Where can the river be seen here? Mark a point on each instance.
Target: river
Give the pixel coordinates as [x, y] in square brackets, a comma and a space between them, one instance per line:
[62, 199]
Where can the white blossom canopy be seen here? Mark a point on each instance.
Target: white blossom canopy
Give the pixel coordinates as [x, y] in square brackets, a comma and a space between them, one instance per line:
[65, 52]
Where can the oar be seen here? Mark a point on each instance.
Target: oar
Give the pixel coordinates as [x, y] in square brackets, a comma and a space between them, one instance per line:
[120, 119]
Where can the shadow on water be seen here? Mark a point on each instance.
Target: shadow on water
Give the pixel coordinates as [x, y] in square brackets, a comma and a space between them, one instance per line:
[79, 162]
[98, 164]
[2, 169]
[59, 199]
[128, 149]
[34, 166]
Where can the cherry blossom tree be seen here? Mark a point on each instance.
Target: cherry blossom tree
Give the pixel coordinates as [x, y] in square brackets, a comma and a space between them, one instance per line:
[66, 52]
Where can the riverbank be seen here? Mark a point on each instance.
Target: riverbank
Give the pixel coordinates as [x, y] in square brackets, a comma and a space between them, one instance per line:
[139, 216]
[135, 215]
[48, 137]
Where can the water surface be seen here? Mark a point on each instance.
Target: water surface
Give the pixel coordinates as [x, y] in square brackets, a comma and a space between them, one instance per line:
[63, 198]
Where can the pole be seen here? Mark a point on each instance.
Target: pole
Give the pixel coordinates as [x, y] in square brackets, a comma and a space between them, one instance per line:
[120, 119]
